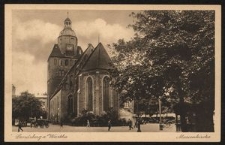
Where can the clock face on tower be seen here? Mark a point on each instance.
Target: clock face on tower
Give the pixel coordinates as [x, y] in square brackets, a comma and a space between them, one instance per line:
[69, 47]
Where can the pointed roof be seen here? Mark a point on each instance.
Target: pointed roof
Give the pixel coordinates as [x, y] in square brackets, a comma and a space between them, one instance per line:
[55, 52]
[92, 58]
[99, 59]
[87, 53]
[83, 58]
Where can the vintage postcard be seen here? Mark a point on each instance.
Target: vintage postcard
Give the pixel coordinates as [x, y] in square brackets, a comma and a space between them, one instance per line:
[143, 73]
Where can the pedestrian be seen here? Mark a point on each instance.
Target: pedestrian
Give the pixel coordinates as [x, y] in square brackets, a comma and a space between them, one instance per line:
[130, 124]
[31, 123]
[178, 125]
[20, 127]
[88, 123]
[109, 125]
[135, 124]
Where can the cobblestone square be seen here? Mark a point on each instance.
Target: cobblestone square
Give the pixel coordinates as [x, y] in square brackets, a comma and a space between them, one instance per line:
[67, 128]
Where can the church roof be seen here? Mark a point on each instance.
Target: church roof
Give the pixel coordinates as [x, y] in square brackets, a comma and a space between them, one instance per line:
[99, 59]
[55, 52]
[67, 31]
[67, 19]
[91, 59]
[80, 62]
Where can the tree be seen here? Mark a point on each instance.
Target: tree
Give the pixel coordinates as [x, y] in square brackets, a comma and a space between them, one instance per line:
[25, 106]
[171, 55]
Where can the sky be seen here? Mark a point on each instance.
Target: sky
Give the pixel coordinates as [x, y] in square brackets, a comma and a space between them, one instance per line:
[34, 33]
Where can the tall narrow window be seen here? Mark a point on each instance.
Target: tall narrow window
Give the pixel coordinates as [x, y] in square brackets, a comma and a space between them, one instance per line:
[106, 99]
[89, 94]
[55, 61]
[70, 104]
[75, 105]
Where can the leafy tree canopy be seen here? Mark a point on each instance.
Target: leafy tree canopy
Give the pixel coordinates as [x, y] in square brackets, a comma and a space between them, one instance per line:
[26, 105]
[171, 55]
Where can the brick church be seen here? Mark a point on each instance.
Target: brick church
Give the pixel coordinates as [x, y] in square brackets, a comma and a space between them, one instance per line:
[78, 80]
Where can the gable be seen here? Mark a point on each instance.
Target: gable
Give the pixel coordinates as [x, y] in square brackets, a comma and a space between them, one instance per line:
[55, 52]
[99, 59]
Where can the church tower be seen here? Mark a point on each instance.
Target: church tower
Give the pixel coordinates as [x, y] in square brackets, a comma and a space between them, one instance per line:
[67, 40]
[63, 56]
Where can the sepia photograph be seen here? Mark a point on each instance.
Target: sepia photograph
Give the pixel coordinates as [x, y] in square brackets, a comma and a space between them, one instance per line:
[112, 73]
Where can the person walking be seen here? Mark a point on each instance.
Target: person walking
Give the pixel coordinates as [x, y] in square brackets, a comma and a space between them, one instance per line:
[135, 124]
[130, 124]
[109, 125]
[88, 123]
[20, 127]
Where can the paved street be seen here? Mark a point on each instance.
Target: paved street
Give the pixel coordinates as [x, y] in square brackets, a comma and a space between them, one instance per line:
[66, 128]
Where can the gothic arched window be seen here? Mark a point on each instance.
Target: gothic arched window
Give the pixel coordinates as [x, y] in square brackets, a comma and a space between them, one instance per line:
[89, 94]
[70, 104]
[106, 99]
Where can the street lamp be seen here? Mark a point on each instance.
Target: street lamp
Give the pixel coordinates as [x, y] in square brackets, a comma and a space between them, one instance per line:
[160, 112]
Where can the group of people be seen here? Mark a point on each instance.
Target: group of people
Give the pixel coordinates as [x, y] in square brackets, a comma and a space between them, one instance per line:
[88, 125]
[109, 124]
[130, 124]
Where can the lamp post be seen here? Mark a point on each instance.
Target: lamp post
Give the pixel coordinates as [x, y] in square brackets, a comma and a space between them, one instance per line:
[160, 112]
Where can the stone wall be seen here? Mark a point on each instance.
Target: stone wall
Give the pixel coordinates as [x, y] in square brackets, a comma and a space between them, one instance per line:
[55, 109]
[97, 80]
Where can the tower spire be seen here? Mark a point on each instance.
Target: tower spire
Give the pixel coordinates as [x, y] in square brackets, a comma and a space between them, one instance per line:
[67, 21]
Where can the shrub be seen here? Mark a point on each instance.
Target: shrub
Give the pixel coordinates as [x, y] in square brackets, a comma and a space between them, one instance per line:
[96, 120]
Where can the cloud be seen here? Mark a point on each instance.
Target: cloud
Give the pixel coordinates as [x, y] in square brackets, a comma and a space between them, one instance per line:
[33, 41]
[26, 75]
[87, 32]
[35, 37]
[35, 28]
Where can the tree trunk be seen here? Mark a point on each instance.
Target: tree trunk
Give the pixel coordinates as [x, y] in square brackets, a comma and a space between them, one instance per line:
[204, 117]
[183, 108]
[183, 122]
